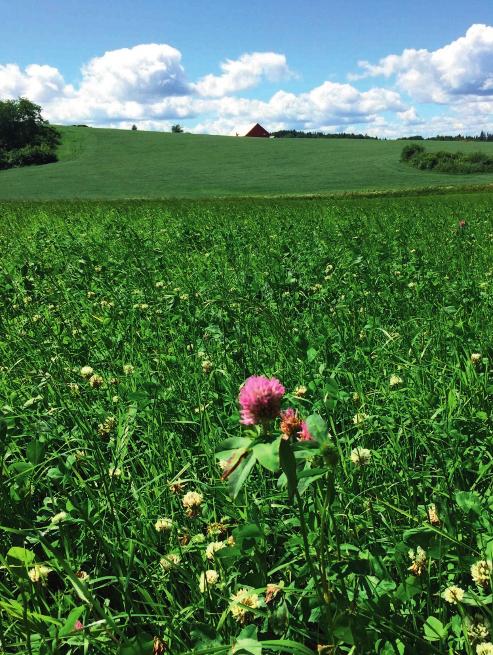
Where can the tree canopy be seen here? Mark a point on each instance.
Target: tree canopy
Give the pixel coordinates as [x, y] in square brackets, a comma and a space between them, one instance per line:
[21, 125]
[26, 138]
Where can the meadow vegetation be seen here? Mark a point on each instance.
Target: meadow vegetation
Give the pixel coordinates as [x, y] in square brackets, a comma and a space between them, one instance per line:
[115, 164]
[346, 509]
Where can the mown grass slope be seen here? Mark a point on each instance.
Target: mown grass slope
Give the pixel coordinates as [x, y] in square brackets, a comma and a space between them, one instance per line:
[107, 163]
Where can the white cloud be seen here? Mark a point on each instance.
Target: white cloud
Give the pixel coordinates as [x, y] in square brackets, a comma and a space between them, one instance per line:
[409, 116]
[330, 104]
[39, 83]
[144, 72]
[244, 73]
[461, 68]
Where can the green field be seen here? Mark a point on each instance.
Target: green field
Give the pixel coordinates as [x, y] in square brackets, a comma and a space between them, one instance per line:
[113, 164]
[375, 314]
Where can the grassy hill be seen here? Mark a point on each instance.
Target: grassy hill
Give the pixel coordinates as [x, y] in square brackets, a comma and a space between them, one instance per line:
[108, 163]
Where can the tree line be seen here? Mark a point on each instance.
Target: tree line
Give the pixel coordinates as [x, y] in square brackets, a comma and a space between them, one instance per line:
[298, 134]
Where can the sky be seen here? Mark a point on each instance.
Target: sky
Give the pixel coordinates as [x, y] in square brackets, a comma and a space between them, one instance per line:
[383, 68]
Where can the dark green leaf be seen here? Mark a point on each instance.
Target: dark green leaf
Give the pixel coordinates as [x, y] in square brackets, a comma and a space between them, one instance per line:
[288, 465]
[239, 476]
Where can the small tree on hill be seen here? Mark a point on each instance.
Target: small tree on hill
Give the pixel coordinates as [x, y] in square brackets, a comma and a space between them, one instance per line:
[177, 129]
[134, 128]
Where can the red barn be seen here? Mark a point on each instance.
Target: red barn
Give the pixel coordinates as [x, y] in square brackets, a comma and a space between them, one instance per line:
[258, 130]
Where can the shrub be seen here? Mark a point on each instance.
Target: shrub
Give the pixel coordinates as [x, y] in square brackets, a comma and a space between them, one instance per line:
[446, 162]
[410, 151]
[30, 155]
[4, 160]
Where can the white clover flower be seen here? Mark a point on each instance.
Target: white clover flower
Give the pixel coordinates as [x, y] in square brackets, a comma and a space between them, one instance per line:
[86, 371]
[39, 573]
[192, 499]
[418, 560]
[114, 472]
[213, 547]
[395, 381]
[169, 561]
[128, 369]
[207, 366]
[58, 518]
[360, 456]
[163, 525]
[359, 418]
[208, 579]
[74, 388]
[453, 595]
[481, 572]
[300, 391]
[478, 629]
[95, 381]
[240, 604]
[476, 358]
[484, 649]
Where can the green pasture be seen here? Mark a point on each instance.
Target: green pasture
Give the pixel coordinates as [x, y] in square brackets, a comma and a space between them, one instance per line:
[113, 164]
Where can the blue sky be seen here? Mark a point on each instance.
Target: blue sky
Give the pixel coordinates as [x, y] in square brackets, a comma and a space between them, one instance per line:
[296, 63]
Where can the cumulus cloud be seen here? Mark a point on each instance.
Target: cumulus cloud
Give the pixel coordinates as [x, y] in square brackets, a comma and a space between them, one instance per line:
[461, 68]
[330, 107]
[328, 103]
[244, 73]
[39, 83]
[144, 72]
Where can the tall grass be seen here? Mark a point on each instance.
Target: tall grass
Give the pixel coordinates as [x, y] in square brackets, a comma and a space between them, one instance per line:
[174, 305]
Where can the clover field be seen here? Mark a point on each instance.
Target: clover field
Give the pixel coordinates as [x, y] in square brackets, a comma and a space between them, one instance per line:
[126, 331]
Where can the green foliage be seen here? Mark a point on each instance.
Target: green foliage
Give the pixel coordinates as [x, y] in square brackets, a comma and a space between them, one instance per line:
[30, 155]
[447, 162]
[410, 151]
[25, 137]
[368, 311]
[176, 129]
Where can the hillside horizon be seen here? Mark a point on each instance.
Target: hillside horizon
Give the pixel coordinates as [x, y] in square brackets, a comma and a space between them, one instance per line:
[105, 163]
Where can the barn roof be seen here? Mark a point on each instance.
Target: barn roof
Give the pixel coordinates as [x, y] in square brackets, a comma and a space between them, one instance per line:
[258, 130]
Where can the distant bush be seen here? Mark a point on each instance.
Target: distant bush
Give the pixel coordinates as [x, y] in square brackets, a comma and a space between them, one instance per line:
[410, 151]
[25, 137]
[176, 129]
[446, 162]
[31, 155]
